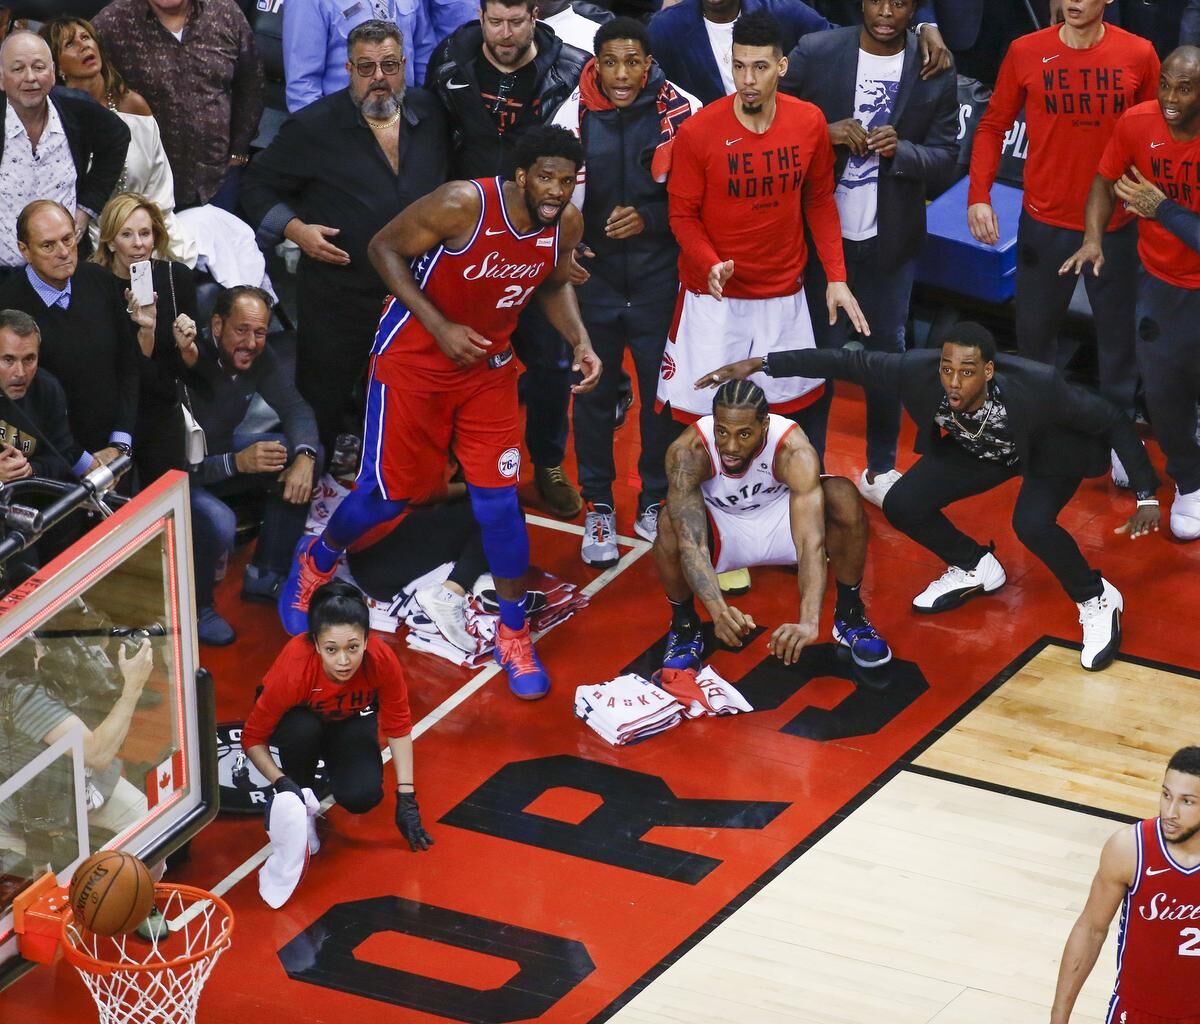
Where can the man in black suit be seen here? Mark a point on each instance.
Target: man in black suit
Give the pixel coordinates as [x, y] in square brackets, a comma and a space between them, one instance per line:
[894, 134]
[982, 420]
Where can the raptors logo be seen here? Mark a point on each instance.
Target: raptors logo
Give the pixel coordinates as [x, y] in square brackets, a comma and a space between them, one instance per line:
[668, 367]
[509, 463]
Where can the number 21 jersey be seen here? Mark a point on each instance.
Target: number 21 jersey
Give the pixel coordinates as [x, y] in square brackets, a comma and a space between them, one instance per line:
[1158, 947]
[483, 285]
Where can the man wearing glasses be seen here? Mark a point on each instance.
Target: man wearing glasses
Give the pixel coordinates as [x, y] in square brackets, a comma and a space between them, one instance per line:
[497, 78]
[336, 173]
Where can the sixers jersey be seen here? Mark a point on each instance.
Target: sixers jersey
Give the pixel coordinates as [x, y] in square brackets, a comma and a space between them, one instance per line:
[483, 285]
[757, 487]
[1158, 946]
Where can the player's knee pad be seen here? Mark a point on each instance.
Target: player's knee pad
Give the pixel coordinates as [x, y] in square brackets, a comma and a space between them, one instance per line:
[505, 540]
[360, 511]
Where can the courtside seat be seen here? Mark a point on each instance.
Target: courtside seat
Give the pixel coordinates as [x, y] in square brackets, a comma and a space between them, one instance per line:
[952, 261]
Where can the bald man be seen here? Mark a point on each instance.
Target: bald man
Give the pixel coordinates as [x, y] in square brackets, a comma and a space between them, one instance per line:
[1152, 164]
[57, 144]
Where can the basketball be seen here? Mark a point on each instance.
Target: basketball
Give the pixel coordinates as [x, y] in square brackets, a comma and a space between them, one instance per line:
[111, 892]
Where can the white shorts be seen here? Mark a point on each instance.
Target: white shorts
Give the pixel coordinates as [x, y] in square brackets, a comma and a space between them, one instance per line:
[707, 334]
[742, 541]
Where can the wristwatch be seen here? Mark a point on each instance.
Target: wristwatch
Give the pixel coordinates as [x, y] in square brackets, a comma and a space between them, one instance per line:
[305, 449]
[766, 366]
[122, 447]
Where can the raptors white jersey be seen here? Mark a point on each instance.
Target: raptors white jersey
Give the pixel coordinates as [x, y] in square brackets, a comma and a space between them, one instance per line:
[751, 493]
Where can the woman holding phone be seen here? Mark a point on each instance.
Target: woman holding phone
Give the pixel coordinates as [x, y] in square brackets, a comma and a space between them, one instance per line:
[160, 296]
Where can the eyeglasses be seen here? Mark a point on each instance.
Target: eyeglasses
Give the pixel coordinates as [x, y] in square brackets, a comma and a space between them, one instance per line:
[366, 68]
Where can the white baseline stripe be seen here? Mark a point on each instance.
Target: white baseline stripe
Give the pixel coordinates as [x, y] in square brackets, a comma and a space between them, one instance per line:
[637, 548]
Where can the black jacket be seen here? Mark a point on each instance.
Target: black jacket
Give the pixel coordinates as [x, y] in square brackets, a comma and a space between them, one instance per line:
[98, 140]
[1059, 429]
[618, 146]
[36, 425]
[480, 151]
[823, 69]
[325, 167]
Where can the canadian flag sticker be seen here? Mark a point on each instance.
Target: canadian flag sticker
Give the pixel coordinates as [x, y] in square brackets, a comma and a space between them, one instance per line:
[164, 780]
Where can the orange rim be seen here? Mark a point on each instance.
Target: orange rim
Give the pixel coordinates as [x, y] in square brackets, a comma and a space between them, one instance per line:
[84, 961]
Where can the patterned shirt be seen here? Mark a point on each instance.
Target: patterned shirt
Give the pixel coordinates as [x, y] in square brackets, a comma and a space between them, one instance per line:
[206, 90]
[26, 175]
[983, 433]
[50, 295]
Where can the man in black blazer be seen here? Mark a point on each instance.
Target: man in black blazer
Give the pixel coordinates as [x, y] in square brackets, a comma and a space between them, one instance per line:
[894, 134]
[982, 420]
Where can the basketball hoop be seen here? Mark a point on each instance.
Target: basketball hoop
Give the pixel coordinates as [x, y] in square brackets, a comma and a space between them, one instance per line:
[155, 982]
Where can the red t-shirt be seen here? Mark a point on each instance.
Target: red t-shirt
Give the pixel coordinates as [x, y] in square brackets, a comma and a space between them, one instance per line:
[1072, 101]
[484, 285]
[1143, 140]
[736, 195]
[298, 678]
[1158, 956]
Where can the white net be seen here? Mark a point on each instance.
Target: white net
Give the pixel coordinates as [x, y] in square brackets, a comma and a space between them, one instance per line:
[135, 981]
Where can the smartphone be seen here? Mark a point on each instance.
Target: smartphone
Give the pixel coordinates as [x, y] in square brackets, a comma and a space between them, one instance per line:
[140, 283]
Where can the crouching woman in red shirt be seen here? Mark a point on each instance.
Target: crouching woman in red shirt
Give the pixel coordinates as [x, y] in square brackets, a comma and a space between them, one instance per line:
[329, 695]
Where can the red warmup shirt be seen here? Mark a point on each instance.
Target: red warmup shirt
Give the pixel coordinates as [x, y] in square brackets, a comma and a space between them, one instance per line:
[298, 678]
[1143, 140]
[1158, 947]
[736, 195]
[1072, 101]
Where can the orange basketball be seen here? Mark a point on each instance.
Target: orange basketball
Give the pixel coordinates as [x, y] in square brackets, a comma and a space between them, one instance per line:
[111, 892]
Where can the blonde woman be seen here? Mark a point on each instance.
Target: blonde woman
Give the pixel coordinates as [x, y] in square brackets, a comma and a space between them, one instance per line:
[82, 64]
[131, 229]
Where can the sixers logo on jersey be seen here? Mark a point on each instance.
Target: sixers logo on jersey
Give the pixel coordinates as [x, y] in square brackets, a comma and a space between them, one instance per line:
[509, 463]
[496, 267]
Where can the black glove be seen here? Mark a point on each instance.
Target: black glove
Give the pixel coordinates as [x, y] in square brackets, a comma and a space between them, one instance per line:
[408, 821]
[281, 785]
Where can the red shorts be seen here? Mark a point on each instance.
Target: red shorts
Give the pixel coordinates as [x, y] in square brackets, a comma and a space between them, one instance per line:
[1121, 1013]
[409, 432]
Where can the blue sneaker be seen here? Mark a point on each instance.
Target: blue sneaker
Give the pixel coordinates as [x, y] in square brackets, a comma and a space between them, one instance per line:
[685, 649]
[515, 654]
[867, 647]
[297, 590]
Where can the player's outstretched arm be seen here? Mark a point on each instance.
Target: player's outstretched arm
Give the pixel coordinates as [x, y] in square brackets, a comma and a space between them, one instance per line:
[556, 296]
[687, 468]
[1118, 862]
[798, 467]
[448, 214]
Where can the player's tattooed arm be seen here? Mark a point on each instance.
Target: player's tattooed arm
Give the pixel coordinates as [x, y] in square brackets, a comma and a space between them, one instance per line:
[687, 468]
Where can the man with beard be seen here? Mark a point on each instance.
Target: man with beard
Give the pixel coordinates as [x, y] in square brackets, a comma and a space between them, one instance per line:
[498, 78]
[1158, 143]
[336, 173]
[462, 263]
[1151, 870]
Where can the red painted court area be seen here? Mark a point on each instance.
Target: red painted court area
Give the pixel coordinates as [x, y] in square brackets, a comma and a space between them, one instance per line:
[566, 873]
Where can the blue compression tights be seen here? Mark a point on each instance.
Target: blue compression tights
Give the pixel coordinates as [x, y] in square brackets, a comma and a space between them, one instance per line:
[505, 541]
[360, 511]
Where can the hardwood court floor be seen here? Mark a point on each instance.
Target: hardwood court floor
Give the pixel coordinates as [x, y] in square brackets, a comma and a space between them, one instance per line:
[836, 856]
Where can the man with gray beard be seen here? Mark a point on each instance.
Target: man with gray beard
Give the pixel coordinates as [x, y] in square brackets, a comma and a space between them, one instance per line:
[336, 173]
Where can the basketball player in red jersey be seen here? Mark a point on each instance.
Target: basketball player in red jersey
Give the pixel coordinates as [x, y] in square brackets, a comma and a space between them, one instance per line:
[1073, 82]
[442, 367]
[1151, 870]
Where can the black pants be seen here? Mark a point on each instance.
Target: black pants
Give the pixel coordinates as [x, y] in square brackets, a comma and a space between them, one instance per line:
[333, 344]
[948, 474]
[1168, 351]
[349, 747]
[644, 330]
[545, 386]
[1043, 297]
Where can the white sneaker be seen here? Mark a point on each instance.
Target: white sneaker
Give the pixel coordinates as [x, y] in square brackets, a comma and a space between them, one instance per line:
[1119, 476]
[1185, 515]
[599, 547]
[1101, 621]
[448, 611]
[877, 491]
[957, 585]
[646, 524]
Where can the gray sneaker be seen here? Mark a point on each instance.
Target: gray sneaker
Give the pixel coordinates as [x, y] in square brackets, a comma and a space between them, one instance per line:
[599, 547]
[646, 524]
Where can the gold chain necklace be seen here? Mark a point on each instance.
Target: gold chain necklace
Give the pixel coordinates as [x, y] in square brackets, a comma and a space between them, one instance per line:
[379, 125]
[975, 436]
